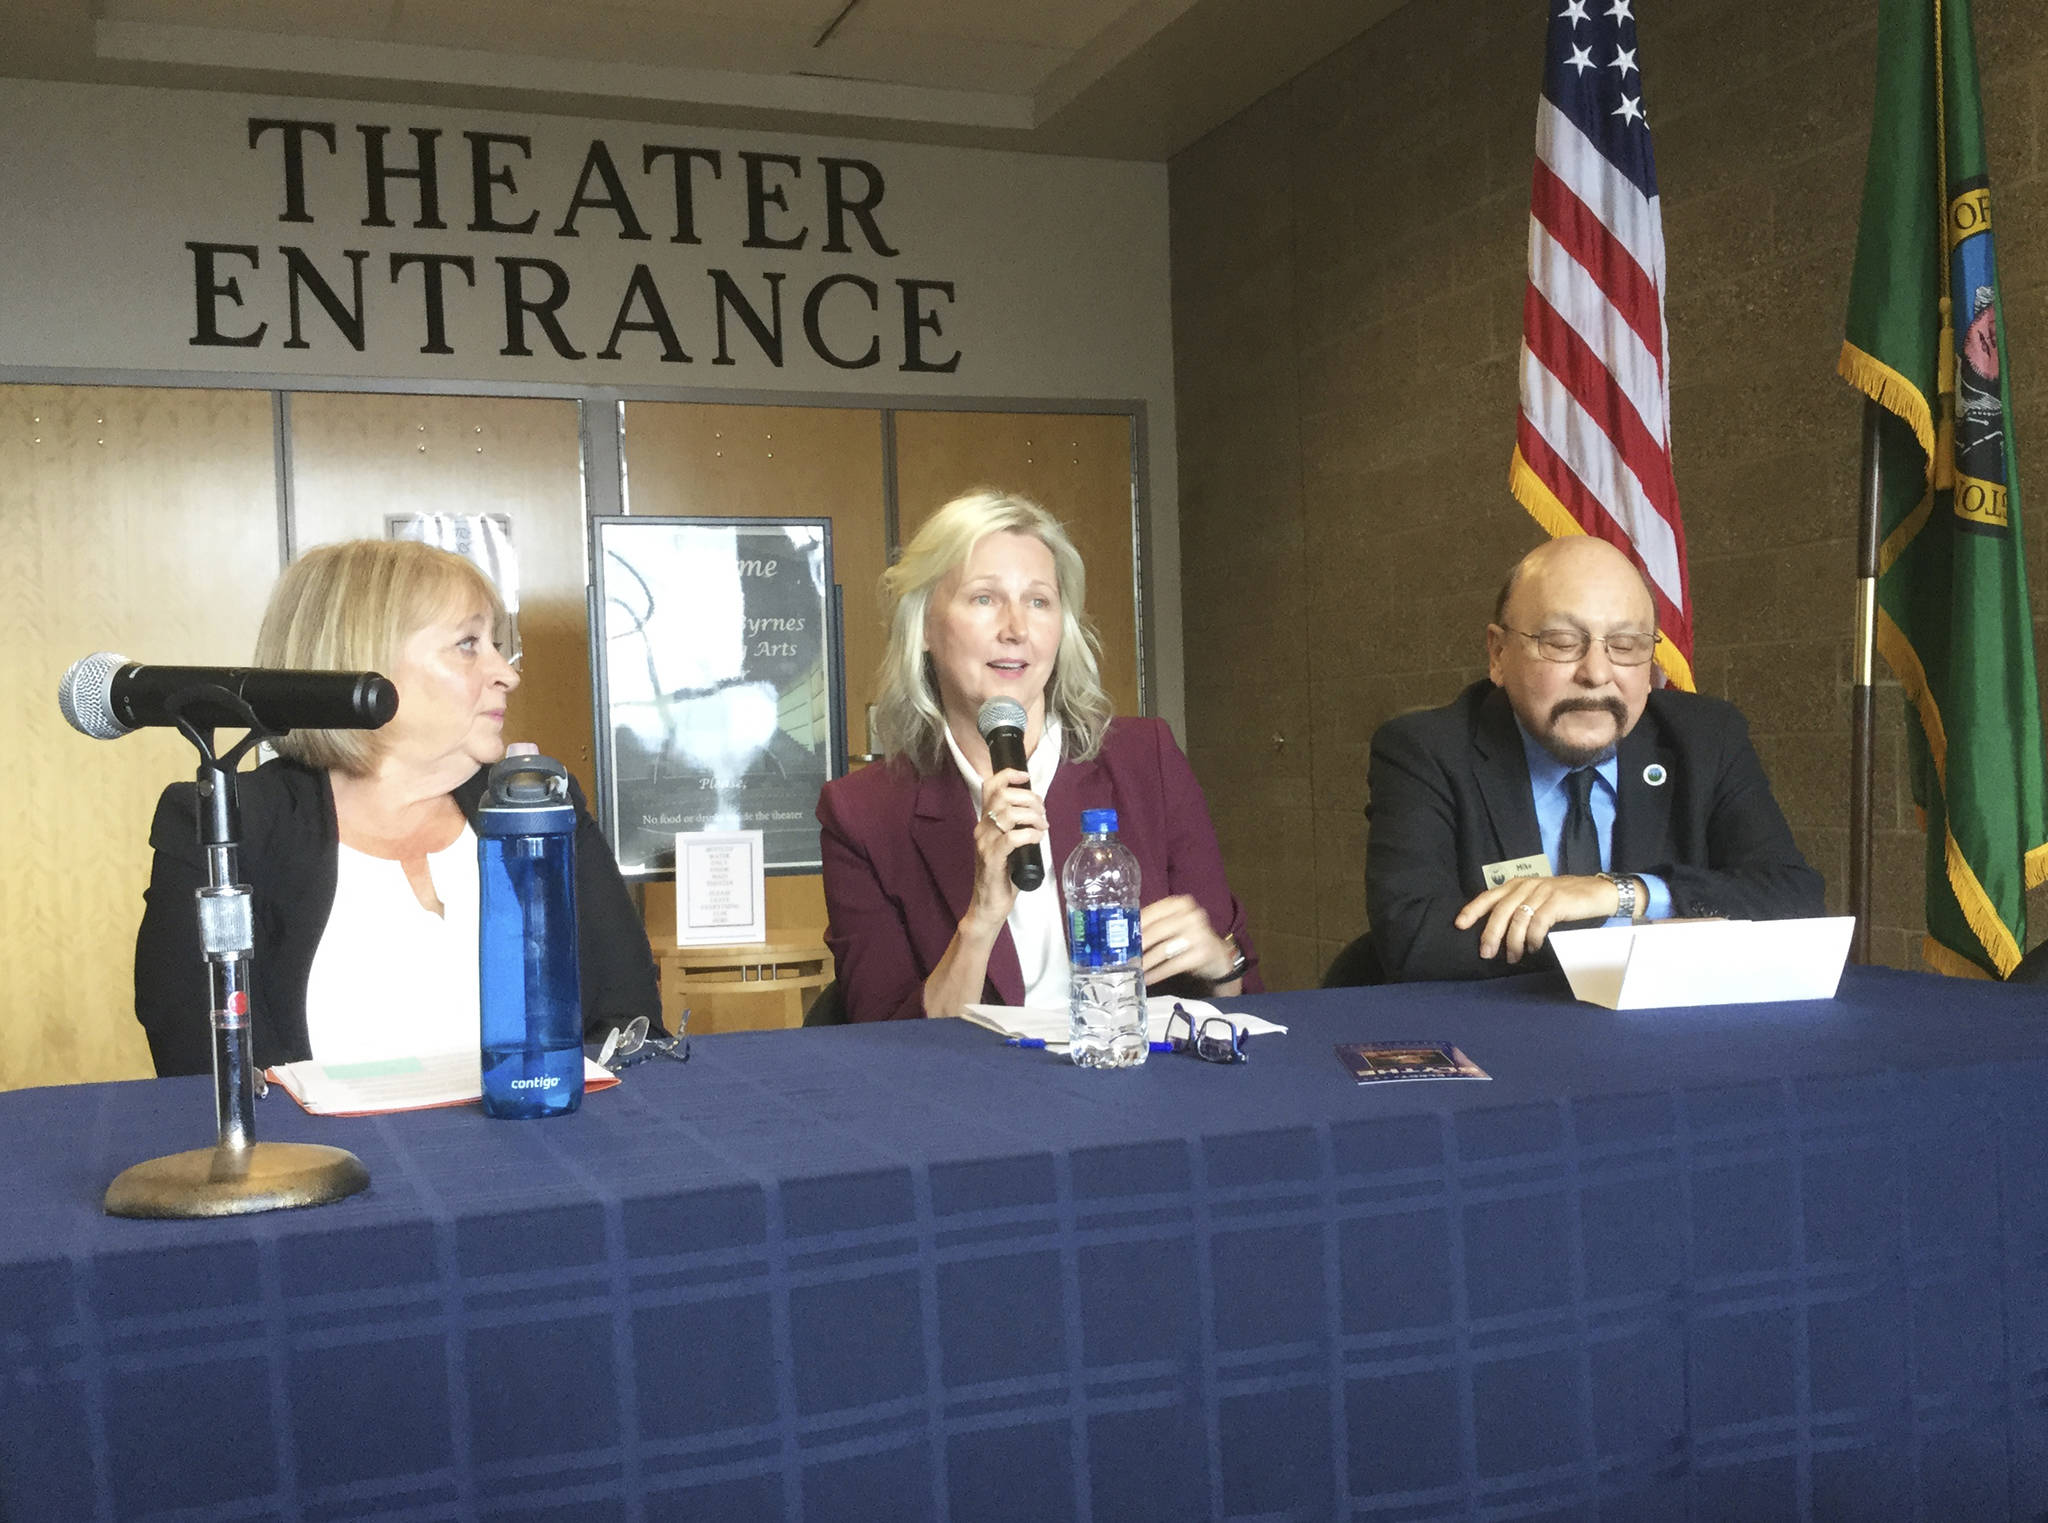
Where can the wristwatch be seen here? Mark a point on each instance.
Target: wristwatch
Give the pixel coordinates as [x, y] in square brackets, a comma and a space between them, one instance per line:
[1628, 894]
[1238, 961]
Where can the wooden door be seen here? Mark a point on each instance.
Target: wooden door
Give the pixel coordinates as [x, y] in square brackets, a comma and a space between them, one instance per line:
[142, 521]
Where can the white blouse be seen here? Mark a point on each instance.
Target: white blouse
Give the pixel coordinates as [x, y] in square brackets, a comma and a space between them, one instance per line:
[1036, 923]
[391, 979]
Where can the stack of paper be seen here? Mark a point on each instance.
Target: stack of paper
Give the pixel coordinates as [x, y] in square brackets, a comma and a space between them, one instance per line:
[397, 1084]
[1050, 1026]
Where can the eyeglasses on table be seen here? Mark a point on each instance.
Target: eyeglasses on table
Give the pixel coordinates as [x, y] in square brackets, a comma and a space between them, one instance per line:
[629, 1045]
[1215, 1039]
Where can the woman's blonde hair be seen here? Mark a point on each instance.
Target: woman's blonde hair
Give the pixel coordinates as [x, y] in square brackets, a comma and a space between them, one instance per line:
[908, 719]
[351, 607]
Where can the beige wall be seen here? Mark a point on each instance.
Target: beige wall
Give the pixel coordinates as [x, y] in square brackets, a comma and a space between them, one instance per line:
[1348, 264]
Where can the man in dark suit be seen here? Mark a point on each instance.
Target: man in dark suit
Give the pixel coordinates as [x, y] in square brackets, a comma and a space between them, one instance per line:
[1562, 790]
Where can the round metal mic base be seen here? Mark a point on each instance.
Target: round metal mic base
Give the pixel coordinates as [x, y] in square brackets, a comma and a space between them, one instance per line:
[223, 1181]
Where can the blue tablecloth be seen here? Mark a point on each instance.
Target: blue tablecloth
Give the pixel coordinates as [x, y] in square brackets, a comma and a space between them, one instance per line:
[1749, 1263]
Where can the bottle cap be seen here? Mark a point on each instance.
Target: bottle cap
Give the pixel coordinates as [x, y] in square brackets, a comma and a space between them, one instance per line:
[526, 795]
[1097, 821]
[523, 748]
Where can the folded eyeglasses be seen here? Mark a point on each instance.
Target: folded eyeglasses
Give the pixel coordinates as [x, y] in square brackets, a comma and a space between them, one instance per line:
[629, 1045]
[1214, 1039]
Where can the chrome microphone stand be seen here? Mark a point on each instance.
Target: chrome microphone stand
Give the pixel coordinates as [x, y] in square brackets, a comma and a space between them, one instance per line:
[238, 1174]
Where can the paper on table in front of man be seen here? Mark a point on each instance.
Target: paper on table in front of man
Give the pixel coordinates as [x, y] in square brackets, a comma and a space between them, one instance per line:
[1050, 1026]
[397, 1084]
[1705, 962]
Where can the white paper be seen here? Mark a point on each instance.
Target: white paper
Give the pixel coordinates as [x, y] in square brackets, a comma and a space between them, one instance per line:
[396, 1084]
[1705, 962]
[1051, 1026]
[720, 895]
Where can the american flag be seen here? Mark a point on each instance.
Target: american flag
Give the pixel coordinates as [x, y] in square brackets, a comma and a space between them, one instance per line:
[1593, 444]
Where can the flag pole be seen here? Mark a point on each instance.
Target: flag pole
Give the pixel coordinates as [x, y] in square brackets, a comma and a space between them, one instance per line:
[1863, 692]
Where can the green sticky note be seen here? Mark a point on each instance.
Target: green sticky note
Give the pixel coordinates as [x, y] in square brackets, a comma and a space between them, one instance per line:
[382, 1069]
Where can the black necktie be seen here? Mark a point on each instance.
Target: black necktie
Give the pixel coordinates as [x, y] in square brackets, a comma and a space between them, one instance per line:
[1579, 849]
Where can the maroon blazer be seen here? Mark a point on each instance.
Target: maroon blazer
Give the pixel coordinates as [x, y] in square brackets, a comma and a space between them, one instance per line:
[899, 861]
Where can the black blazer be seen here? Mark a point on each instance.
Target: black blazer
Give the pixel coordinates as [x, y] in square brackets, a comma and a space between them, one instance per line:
[289, 847]
[1450, 793]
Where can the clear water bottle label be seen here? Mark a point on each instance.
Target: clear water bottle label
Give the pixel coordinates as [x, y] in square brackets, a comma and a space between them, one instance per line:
[1103, 937]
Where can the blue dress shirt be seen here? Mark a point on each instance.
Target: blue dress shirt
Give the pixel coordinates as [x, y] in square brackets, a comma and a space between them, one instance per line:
[1552, 799]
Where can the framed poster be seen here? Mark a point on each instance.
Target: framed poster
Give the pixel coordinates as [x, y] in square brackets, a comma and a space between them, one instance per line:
[716, 675]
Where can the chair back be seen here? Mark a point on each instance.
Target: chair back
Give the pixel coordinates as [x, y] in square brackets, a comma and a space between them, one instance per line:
[829, 1008]
[1356, 966]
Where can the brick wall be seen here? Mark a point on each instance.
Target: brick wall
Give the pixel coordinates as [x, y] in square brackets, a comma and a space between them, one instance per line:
[1348, 262]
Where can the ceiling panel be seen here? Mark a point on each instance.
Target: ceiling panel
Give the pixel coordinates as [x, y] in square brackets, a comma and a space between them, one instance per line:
[967, 45]
[1108, 78]
[1068, 25]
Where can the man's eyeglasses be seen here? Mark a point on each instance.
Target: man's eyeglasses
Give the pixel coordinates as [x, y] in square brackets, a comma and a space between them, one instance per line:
[629, 1045]
[1571, 645]
[1215, 1039]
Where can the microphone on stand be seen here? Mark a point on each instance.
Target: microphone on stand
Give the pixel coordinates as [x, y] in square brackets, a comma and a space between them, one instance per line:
[107, 696]
[1001, 722]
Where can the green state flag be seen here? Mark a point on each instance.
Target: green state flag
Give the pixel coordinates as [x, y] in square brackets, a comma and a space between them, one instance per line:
[1925, 340]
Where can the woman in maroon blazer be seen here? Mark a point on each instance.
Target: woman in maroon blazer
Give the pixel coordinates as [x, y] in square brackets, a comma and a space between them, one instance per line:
[987, 601]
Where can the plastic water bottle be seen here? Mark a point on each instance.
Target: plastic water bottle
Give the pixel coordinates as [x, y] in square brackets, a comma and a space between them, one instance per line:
[1107, 1004]
[531, 998]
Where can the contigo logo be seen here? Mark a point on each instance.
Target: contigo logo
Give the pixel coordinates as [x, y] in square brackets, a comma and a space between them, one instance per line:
[548, 1083]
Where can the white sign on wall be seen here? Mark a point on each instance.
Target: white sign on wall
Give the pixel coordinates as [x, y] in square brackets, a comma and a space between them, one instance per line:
[720, 894]
[182, 230]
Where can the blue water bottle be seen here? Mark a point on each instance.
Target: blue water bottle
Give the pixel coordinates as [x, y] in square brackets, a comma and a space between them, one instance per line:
[532, 1002]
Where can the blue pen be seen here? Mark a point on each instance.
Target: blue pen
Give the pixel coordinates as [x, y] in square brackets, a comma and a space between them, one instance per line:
[1025, 1041]
[1161, 1046]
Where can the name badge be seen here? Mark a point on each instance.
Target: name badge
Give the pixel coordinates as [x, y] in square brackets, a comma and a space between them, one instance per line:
[1497, 873]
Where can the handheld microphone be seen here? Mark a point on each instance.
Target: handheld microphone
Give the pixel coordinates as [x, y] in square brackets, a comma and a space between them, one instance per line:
[1001, 722]
[106, 696]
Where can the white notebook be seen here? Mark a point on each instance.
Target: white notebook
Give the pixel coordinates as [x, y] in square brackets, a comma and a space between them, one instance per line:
[397, 1084]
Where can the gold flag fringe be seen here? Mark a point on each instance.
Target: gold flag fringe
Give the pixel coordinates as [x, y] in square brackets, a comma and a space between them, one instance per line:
[1982, 916]
[1978, 911]
[1890, 390]
[1942, 960]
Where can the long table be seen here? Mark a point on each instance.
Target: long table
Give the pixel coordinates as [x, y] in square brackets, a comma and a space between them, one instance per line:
[1761, 1262]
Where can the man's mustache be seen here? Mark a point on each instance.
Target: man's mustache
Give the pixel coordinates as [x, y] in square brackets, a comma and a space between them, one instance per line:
[1610, 706]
